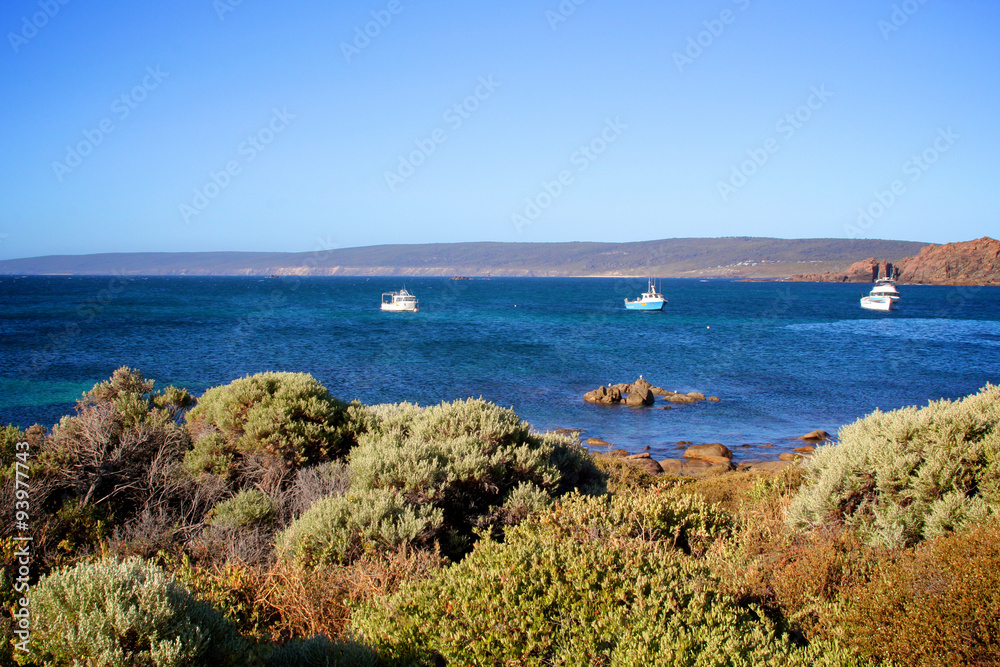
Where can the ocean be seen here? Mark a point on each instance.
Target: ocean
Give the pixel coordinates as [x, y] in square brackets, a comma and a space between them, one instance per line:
[784, 358]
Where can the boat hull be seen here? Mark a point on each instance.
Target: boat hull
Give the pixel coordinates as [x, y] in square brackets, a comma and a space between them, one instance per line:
[399, 308]
[653, 304]
[877, 303]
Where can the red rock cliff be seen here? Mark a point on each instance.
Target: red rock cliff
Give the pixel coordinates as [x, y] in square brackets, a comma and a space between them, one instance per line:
[967, 263]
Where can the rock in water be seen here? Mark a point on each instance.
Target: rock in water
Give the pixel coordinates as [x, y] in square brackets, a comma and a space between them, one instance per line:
[815, 435]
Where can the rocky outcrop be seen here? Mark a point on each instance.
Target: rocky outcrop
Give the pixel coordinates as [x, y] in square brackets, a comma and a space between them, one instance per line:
[638, 393]
[969, 263]
[965, 263]
[865, 271]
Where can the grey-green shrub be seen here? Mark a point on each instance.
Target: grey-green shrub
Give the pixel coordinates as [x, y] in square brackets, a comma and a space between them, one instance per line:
[339, 529]
[290, 416]
[129, 613]
[250, 507]
[580, 586]
[910, 474]
[466, 458]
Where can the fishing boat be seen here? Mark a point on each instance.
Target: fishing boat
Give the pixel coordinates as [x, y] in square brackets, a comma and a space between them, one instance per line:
[399, 302]
[651, 299]
[884, 296]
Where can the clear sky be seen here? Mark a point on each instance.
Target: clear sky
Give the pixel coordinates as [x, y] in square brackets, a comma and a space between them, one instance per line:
[251, 125]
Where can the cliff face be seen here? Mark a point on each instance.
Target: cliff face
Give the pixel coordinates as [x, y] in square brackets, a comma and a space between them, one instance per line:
[966, 263]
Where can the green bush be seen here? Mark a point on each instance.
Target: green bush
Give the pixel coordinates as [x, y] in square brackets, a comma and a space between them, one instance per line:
[466, 458]
[937, 605]
[578, 586]
[110, 614]
[289, 416]
[250, 507]
[910, 474]
[340, 529]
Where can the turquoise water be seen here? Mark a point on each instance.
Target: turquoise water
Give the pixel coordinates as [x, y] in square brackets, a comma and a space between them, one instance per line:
[785, 358]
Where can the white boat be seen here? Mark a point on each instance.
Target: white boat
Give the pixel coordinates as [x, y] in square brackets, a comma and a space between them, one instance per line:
[884, 296]
[399, 302]
[651, 299]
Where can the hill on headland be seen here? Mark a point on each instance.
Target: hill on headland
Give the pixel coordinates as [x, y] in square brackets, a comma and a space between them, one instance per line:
[731, 257]
[974, 262]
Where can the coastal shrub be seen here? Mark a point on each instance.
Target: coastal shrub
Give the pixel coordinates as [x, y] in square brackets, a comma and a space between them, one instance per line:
[684, 522]
[106, 452]
[316, 482]
[317, 600]
[289, 417]
[250, 507]
[937, 605]
[620, 474]
[908, 475]
[555, 593]
[466, 458]
[318, 651]
[340, 529]
[109, 614]
[811, 576]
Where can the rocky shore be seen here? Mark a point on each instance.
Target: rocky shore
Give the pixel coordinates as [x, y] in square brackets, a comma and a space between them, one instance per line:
[698, 460]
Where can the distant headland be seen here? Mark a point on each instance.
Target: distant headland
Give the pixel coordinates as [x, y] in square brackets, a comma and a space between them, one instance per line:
[752, 258]
[967, 263]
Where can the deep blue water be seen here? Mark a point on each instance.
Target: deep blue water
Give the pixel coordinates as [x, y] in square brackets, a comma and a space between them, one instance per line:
[785, 358]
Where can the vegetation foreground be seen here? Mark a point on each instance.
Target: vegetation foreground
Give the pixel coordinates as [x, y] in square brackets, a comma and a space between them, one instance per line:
[267, 523]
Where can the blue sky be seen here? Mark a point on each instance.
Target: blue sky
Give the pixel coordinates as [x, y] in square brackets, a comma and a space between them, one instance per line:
[200, 125]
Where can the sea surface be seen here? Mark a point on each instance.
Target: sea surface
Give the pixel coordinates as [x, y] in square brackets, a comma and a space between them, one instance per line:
[784, 358]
